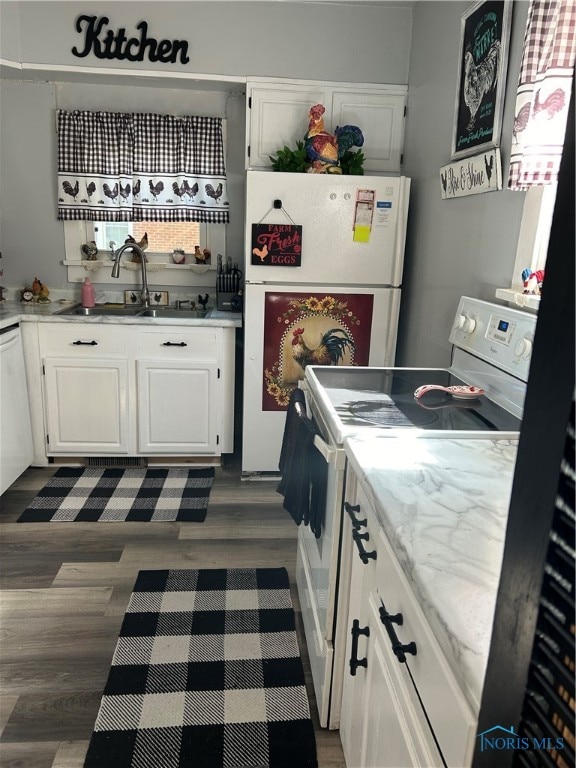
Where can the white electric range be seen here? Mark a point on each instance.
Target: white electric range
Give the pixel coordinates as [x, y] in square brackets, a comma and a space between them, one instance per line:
[491, 350]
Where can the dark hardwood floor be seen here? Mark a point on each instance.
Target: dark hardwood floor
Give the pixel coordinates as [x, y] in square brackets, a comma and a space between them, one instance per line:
[64, 591]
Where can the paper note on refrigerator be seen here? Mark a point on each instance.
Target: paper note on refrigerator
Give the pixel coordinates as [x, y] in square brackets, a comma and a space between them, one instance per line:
[383, 212]
[363, 215]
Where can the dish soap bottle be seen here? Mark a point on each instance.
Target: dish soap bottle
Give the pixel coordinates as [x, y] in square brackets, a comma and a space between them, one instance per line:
[88, 293]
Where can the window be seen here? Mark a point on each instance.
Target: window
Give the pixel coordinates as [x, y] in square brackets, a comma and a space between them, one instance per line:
[162, 271]
[532, 247]
[163, 237]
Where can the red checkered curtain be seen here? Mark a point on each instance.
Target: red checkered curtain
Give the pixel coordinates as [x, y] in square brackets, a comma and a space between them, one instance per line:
[141, 167]
[544, 90]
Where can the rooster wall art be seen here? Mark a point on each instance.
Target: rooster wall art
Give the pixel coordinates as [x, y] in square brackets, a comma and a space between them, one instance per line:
[479, 79]
[330, 350]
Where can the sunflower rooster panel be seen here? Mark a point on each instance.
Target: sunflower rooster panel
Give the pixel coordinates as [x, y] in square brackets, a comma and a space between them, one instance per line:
[302, 329]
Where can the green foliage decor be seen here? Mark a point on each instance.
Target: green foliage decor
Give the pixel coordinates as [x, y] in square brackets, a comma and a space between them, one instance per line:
[291, 160]
[296, 161]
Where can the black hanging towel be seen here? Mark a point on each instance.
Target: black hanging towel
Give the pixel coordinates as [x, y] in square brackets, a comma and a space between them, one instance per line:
[303, 469]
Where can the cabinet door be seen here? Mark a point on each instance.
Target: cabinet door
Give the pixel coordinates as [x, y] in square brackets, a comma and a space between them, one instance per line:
[86, 405]
[395, 733]
[361, 583]
[354, 686]
[381, 118]
[278, 116]
[177, 407]
[382, 722]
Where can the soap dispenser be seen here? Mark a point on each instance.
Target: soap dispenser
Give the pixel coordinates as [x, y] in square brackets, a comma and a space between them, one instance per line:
[88, 293]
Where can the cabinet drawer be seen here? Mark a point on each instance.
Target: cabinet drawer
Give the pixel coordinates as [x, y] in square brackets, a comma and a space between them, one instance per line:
[82, 339]
[179, 343]
[448, 711]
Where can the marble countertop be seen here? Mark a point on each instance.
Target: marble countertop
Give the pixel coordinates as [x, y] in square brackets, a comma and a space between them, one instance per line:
[14, 311]
[443, 504]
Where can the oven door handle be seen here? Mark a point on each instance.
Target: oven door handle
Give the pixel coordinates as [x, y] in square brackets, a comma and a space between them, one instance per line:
[333, 456]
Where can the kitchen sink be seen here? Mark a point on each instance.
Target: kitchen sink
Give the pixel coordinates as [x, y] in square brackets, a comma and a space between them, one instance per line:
[101, 310]
[106, 310]
[170, 312]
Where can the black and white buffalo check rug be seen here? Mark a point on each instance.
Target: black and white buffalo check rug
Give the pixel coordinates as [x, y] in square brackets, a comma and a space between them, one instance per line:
[206, 674]
[76, 494]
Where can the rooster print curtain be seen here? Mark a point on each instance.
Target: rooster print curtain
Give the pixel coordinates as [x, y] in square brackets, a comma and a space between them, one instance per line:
[141, 167]
[543, 96]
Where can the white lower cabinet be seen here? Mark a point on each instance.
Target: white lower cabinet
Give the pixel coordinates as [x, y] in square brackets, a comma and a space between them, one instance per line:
[87, 405]
[176, 412]
[134, 390]
[398, 693]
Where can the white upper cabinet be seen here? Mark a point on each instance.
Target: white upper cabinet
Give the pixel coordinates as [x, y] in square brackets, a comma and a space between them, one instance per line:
[277, 116]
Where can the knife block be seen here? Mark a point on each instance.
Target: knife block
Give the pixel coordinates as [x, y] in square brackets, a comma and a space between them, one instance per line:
[224, 300]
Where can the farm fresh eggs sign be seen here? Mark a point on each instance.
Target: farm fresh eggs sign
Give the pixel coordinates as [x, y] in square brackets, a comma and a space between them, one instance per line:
[276, 245]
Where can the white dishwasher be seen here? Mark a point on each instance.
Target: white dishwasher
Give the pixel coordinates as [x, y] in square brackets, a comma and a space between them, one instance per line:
[16, 451]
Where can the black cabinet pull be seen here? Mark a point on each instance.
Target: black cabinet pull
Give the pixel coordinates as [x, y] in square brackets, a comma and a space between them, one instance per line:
[352, 510]
[389, 619]
[355, 662]
[174, 344]
[359, 538]
[85, 343]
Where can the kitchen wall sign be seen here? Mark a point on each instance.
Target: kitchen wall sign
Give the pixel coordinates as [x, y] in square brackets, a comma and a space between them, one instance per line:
[483, 61]
[276, 245]
[107, 44]
[471, 176]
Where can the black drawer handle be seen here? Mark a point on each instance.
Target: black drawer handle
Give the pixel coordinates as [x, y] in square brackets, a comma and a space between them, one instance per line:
[85, 343]
[358, 538]
[352, 510]
[399, 650]
[355, 662]
[174, 344]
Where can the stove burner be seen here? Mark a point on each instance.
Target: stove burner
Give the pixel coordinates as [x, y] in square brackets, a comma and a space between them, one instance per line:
[385, 413]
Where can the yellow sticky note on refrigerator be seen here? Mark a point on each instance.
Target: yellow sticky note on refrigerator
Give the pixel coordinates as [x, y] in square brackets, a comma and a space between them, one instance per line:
[361, 234]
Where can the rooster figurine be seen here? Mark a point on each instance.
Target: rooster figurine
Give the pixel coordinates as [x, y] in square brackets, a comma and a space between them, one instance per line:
[325, 150]
[330, 351]
[89, 250]
[532, 281]
[143, 244]
[201, 257]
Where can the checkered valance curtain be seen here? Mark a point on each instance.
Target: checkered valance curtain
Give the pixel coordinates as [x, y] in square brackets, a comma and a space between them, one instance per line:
[544, 90]
[115, 166]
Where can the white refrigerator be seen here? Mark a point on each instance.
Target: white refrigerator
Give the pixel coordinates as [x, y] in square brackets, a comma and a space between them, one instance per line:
[324, 261]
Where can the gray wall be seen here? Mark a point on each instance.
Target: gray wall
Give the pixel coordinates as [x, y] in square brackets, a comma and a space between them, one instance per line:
[313, 41]
[31, 238]
[454, 247]
[460, 247]
[226, 38]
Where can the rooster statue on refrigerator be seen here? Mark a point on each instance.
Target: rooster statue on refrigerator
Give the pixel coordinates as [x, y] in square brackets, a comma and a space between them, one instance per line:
[325, 150]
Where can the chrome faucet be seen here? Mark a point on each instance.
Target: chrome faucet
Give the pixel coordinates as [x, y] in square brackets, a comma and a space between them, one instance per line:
[144, 293]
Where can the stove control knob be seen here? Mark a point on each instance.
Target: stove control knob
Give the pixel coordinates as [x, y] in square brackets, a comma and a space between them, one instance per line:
[469, 325]
[459, 322]
[523, 348]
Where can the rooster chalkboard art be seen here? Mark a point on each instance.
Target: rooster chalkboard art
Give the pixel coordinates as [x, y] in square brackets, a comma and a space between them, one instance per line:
[485, 33]
[479, 79]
